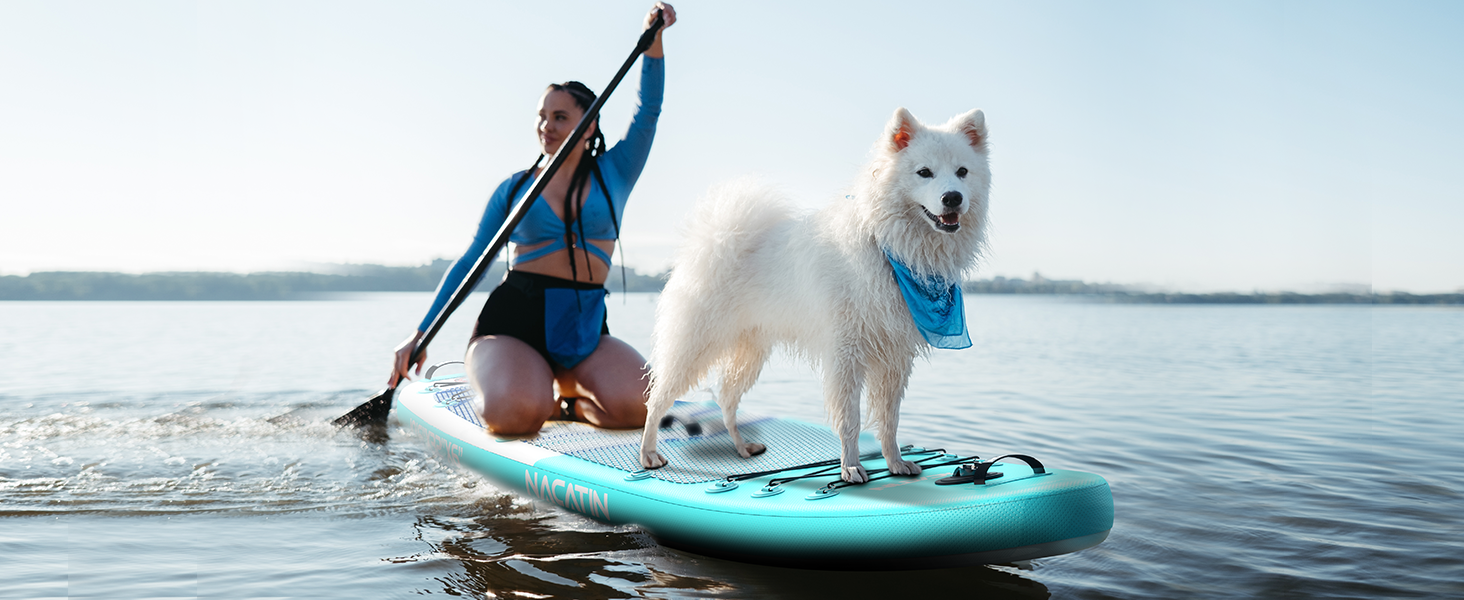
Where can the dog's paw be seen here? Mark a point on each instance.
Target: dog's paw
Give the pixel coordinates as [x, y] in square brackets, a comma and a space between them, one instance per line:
[652, 460]
[751, 449]
[903, 467]
[854, 474]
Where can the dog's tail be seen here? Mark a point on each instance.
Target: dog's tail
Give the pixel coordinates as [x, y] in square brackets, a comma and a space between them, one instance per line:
[699, 314]
[728, 226]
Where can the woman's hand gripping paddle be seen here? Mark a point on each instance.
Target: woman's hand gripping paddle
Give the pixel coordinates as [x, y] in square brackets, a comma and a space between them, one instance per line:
[375, 410]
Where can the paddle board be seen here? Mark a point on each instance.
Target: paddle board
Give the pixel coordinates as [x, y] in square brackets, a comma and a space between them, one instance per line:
[711, 501]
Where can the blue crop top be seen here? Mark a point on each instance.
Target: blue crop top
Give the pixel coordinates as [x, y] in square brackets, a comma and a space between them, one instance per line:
[620, 166]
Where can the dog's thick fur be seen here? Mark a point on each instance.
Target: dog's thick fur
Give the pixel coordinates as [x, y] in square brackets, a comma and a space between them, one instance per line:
[753, 274]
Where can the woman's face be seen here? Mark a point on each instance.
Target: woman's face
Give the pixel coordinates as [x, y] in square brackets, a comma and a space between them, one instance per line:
[558, 114]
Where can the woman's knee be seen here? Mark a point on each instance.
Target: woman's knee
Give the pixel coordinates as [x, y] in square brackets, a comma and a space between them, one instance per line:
[618, 378]
[514, 382]
[514, 417]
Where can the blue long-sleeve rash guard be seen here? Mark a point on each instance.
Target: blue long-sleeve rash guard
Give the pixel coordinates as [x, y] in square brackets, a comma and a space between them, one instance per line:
[621, 166]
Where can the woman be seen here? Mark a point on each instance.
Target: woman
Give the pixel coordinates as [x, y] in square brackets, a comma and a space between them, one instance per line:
[543, 329]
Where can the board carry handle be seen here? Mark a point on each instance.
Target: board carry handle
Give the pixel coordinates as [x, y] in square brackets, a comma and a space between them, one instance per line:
[433, 369]
[979, 472]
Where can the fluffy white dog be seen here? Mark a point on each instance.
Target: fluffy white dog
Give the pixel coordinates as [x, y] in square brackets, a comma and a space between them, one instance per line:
[754, 274]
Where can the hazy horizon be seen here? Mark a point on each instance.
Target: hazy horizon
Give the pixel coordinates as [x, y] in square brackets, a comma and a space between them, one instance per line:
[1210, 146]
[1143, 287]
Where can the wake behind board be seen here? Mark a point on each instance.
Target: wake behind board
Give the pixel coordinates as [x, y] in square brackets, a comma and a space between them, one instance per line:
[710, 501]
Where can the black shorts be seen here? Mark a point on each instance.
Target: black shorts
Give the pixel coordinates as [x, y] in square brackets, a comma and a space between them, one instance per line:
[516, 309]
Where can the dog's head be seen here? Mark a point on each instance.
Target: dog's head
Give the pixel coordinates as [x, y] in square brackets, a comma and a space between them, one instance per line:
[932, 185]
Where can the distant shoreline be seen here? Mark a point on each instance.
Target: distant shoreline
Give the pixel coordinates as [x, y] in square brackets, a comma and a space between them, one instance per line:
[276, 286]
[1122, 294]
[1281, 298]
[268, 286]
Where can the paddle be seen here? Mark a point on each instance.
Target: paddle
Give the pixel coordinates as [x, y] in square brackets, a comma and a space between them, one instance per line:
[375, 410]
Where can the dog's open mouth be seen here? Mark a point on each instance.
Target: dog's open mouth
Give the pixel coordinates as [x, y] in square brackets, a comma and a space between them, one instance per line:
[947, 222]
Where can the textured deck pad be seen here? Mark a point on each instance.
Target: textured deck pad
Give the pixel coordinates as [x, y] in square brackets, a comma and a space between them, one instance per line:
[707, 457]
[692, 459]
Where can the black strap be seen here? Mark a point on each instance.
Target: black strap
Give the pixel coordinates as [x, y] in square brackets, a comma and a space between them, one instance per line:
[827, 468]
[693, 428]
[980, 472]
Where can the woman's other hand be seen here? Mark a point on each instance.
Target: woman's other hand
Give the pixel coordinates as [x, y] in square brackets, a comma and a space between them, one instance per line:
[402, 365]
[668, 14]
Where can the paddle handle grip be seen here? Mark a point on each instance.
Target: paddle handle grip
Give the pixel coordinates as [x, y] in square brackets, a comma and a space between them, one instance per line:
[648, 37]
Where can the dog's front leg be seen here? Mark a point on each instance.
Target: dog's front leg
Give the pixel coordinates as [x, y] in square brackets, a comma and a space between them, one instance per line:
[842, 383]
[886, 390]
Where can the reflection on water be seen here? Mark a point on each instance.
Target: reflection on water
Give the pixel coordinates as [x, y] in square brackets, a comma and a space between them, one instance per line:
[506, 554]
[182, 449]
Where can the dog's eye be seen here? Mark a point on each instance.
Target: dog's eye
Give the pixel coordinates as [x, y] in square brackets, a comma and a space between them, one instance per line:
[924, 172]
[961, 172]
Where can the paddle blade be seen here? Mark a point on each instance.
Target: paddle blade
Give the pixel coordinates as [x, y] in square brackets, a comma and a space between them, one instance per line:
[373, 412]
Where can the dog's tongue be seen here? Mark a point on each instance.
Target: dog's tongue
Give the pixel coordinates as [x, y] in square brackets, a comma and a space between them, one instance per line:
[950, 219]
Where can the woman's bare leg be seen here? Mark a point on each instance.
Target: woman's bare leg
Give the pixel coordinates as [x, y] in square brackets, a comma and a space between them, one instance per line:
[612, 384]
[515, 383]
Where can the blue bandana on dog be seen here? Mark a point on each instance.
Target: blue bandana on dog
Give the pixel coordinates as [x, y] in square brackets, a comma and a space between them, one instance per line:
[935, 305]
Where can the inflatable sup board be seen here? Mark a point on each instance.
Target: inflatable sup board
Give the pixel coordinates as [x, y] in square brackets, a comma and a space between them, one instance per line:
[785, 507]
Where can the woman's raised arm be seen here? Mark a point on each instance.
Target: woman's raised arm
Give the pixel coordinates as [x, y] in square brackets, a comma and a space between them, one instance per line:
[668, 12]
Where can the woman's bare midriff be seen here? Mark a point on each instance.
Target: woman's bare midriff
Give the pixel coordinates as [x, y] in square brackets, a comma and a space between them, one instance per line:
[557, 264]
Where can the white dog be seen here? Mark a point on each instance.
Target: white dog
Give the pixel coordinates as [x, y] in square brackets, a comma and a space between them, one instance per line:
[754, 274]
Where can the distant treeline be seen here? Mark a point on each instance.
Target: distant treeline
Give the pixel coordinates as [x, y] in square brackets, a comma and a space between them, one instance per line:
[1284, 298]
[66, 285]
[1122, 294]
[1039, 285]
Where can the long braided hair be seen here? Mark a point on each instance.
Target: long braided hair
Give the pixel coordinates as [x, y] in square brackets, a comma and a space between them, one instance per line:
[579, 182]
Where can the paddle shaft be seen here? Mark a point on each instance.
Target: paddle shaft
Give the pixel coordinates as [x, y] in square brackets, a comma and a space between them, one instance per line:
[522, 208]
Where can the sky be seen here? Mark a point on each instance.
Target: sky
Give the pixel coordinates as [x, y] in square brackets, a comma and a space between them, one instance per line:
[1196, 146]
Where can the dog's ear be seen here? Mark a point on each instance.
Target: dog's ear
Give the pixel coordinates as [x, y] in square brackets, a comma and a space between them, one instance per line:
[972, 125]
[900, 130]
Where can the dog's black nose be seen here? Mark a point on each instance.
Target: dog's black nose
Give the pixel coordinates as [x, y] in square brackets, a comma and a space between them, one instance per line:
[951, 199]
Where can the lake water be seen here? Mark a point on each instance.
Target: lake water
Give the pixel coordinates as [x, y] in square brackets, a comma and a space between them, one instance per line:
[182, 450]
